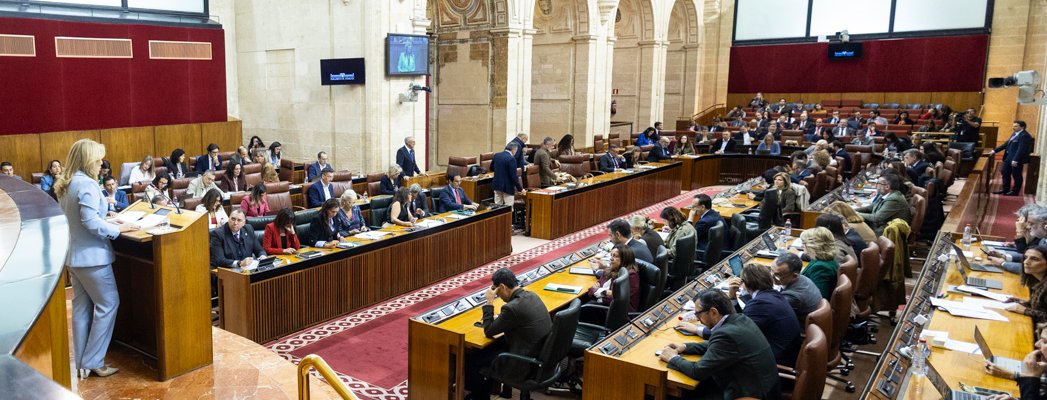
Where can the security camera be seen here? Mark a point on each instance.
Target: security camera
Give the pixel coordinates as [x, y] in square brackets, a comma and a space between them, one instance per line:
[415, 88]
[843, 36]
[1028, 83]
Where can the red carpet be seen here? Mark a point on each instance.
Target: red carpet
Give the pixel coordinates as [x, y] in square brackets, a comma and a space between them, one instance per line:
[368, 349]
[999, 218]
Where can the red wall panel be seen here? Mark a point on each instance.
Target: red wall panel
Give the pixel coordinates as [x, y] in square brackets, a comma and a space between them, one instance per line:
[46, 93]
[939, 64]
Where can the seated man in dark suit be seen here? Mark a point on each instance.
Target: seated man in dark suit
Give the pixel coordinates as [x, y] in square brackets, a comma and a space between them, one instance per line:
[611, 161]
[209, 161]
[769, 310]
[915, 165]
[314, 170]
[660, 151]
[234, 244]
[453, 197]
[115, 198]
[702, 208]
[419, 202]
[523, 320]
[740, 363]
[405, 158]
[839, 151]
[619, 232]
[723, 145]
[801, 293]
[321, 191]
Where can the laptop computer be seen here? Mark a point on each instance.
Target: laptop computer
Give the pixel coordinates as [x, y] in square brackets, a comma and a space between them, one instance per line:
[976, 266]
[736, 265]
[1009, 364]
[970, 280]
[772, 247]
[945, 390]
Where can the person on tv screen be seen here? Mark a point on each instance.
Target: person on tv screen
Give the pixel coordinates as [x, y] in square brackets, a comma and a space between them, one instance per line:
[406, 62]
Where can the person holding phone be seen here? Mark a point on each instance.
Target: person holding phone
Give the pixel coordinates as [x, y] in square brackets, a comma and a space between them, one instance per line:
[280, 236]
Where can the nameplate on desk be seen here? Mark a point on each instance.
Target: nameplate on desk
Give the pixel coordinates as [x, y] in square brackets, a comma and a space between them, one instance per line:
[563, 288]
[582, 271]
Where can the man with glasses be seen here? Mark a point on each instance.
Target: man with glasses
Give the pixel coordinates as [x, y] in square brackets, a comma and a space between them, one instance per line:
[889, 204]
[1029, 230]
[234, 244]
[453, 197]
[740, 363]
[209, 161]
[620, 232]
[803, 296]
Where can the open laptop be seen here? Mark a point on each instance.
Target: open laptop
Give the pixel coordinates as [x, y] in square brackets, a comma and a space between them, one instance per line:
[975, 266]
[772, 247]
[948, 393]
[1009, 364]
[979, 282]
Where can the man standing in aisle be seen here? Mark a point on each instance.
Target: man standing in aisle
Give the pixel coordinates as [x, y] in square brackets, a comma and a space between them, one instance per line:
[1016, 155]
[505, 183]
[405, 158]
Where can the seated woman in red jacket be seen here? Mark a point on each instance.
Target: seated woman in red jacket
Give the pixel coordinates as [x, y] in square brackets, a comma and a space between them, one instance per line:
[623, 261]
[280, 237]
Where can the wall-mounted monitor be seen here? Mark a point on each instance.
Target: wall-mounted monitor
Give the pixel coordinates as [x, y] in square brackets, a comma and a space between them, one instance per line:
[342, 71]
[407, 55]
[845, 51]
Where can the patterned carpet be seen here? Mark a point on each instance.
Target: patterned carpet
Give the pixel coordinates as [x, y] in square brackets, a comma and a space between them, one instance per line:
[368, 349]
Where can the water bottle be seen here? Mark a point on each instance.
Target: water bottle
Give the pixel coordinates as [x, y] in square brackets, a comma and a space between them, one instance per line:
[967, 237]
[919, 354]
[788, 230]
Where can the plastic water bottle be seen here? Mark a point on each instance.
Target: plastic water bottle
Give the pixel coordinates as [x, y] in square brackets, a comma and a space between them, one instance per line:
[919, 354]
[967, 237]
[788, 230]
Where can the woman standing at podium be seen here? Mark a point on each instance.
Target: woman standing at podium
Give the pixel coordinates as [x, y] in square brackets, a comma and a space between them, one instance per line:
[90, 257]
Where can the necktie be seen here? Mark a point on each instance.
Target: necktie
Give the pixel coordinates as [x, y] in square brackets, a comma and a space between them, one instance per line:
[457, 199]
[236, 236]
[411, 152]
[614, 161]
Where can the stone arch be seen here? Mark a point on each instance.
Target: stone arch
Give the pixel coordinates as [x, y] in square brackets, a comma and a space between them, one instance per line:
[559, 64]
[637, 74]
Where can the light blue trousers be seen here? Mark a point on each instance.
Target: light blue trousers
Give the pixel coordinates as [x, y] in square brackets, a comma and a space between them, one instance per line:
[95, 301]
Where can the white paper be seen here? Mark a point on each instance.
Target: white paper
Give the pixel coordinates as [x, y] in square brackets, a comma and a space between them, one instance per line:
[664, 235]
[983, 314]
[985, 303]
[993, 243]
[429, 223]
[582, 271]
[371, 235]
[129, 216]
[150, 221]
[689, 305]
[457, 216]
[555, 188]
[956, 345]
[565, 288]
[982, 292]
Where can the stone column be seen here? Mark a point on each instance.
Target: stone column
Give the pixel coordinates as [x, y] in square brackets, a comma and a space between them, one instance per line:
[652, 82]
[585, 94]
[511, 85]
[691, 81]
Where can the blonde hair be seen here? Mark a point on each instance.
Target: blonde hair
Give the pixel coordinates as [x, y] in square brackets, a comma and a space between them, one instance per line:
[785, 177]
[821, 157]
[83, 154]
[348, 198]
[819, 243]
[269, 173]
[394, 169]
[639, 222]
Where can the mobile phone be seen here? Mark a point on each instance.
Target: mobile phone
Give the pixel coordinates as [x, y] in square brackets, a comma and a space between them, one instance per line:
[478, 324]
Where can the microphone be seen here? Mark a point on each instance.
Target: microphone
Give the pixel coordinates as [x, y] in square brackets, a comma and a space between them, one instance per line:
[151, 205]
[178, 208]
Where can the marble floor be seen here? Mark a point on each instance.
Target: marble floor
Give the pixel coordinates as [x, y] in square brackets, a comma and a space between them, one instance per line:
[242, 369]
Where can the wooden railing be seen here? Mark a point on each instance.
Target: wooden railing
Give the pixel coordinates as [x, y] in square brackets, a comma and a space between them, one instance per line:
[706, 116]
[315, 361]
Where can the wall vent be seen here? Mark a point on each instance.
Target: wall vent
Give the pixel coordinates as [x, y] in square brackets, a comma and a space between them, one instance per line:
[168, 50]
[17, 46]
[78, 47]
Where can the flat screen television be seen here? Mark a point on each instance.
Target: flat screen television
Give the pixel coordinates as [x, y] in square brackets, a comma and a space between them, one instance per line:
[342, 71]
[406, 55]
[845, 51]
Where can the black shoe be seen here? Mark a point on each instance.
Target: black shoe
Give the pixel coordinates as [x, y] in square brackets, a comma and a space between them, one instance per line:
[1001, 192]
[1011, 194]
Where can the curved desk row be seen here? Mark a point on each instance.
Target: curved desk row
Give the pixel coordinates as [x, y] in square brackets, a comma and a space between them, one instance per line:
[34, 344]
[724, 169]
[263, 305]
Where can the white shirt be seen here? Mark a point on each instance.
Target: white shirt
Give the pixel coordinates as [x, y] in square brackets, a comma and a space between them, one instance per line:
[327, 191]
[138, 176]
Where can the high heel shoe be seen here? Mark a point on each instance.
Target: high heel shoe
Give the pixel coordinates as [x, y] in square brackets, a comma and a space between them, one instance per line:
[102, 372]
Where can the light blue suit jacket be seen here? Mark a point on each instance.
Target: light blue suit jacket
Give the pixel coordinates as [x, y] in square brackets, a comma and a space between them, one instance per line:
[89, 235]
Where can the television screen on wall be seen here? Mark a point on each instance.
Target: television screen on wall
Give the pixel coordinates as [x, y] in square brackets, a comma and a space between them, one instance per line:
[342, 71]
[845, 51]
[407, 55]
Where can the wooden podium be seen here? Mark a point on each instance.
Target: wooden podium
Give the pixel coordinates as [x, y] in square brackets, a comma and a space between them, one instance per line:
[165, 292]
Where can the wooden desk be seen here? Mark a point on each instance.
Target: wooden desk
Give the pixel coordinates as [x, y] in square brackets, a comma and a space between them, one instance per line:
[165, 293]
[478, 188]
[1012, 339]
[611, 195]
[436, 351]
[724, 169]
[265, 305]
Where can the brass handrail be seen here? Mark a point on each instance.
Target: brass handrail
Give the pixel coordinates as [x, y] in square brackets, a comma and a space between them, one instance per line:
[325, 370]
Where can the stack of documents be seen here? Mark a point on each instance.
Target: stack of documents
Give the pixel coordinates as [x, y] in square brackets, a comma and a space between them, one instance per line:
[968, 310]
[429, 223]
[371, 235]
